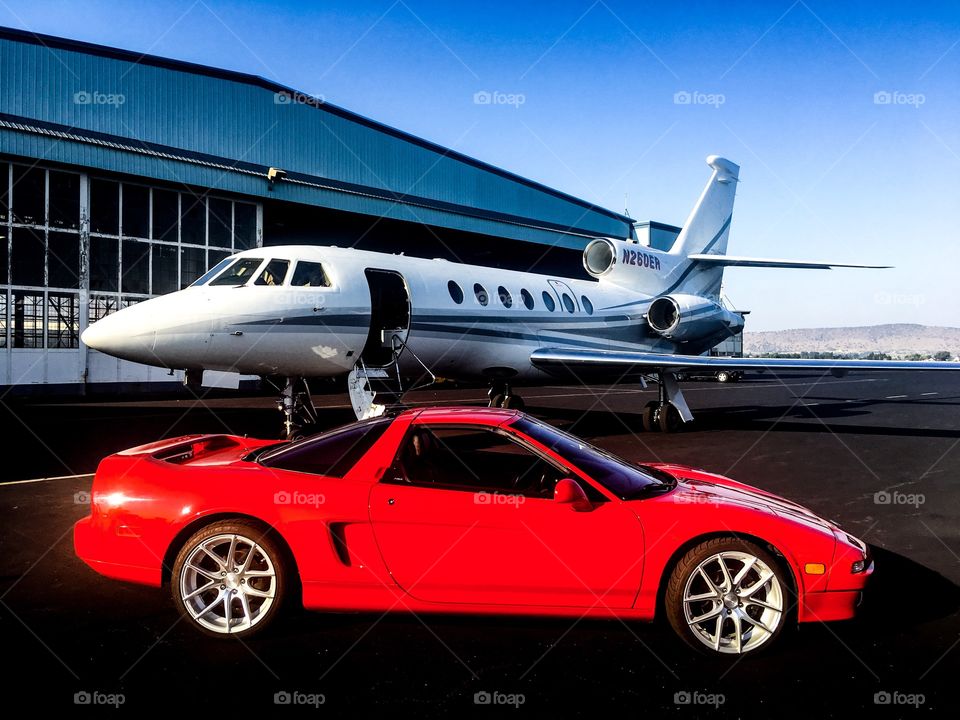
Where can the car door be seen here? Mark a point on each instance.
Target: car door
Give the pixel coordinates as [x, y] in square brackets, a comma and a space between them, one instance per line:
[475, 522]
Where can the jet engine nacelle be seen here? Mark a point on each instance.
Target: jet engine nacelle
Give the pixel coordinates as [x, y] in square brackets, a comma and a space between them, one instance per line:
[686, 318]
[627, 264]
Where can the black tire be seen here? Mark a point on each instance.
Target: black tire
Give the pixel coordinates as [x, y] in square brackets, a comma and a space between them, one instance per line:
[723, 376]
[669, 419]
[514, 402]
[650, 413]
[211, 604]
[687, 567]
[497, 401]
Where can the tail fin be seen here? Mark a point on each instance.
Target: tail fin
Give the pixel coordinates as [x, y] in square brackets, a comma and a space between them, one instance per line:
[708, 227]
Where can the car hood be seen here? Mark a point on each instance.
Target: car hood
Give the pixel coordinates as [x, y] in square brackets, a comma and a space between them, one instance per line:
[695, 486]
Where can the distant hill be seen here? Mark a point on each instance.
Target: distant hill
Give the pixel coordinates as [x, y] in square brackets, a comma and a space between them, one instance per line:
[897, 340]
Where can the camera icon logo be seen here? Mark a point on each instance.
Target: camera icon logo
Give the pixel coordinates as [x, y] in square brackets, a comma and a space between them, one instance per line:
[282, 698]
[82, 698]
[282, 497]
[882, 698]
[681, 698]
[81, 497]
[482, 698]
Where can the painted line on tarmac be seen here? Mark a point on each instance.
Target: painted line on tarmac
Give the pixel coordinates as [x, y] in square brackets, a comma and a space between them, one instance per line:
[46, 479]
[929, 393]
[894, 397]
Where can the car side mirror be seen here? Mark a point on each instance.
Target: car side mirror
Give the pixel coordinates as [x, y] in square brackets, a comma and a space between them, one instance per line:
[569, 492]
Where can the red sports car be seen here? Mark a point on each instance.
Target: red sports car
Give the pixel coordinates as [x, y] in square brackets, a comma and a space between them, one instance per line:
[462, 510]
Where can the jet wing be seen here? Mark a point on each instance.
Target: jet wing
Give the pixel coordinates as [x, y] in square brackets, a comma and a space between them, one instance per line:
[735, 261]
[625, 362]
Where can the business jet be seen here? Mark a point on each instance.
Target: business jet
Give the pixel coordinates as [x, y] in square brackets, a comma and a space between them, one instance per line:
[391, 322]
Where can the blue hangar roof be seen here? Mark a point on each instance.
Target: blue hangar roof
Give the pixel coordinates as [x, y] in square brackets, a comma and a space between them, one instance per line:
[180, 122]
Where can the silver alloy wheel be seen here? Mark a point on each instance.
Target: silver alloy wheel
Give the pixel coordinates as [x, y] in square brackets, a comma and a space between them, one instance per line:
[733, 602]
[228, 583]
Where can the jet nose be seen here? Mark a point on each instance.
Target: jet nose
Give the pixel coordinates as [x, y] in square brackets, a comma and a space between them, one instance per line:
[129, 334]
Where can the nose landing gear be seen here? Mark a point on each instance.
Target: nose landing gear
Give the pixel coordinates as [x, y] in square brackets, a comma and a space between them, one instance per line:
[297, 407]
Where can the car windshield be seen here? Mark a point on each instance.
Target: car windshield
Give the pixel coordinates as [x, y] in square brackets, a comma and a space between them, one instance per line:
[626, 481]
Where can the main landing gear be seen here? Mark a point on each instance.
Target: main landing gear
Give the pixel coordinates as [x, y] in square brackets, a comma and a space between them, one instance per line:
[670, 411]
[502, 396]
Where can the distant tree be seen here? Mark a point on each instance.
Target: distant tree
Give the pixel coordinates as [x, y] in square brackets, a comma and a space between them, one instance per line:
[876, 356]
[942, 356]
[917, 356]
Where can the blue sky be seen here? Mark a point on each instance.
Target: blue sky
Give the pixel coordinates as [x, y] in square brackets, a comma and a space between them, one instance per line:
[786, 89]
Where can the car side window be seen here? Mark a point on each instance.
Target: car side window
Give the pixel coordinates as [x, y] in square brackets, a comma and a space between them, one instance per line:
[473, 459]
[331, 454]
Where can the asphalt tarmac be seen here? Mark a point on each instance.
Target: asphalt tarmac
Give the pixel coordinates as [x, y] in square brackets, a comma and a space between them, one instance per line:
[879, 454]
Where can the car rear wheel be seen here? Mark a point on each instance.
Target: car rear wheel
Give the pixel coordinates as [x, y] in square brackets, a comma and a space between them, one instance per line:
[727, 597]
[229, 579]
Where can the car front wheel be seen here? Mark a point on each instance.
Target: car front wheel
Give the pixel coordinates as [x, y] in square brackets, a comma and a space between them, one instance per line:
[229, 579]
[727, 596]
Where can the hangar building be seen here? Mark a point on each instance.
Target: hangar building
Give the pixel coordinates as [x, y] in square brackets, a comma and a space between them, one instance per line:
[124, 176]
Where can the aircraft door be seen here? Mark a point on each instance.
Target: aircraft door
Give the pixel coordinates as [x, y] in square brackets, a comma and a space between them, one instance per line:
[389, 315]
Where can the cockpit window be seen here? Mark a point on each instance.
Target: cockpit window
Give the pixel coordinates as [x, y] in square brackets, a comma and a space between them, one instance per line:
[203, 279]
[274, 273]
[238, 273]
[309, 274]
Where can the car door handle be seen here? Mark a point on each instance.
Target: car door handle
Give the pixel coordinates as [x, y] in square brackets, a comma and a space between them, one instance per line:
[391, 501]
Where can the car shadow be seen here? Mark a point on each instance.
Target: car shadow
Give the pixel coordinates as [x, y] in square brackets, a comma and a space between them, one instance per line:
[897, 577]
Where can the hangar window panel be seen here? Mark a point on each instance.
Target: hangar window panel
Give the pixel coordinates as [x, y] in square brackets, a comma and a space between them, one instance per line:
[549, 302]
[3, 319]
[4, 256]
[100, 306]
[481, 294]
[456, 293]
[4, 192]
[244, 226]
[27, 320]
[214, 257]
[135, 267]
[64, 200]
[63, 259]
[29, 195]
[193, 262]
[27, 257]
[136, 211]
[311, 274]
[166, 215]
[274, 273]
[193, 219]
[220, 222]
[104, 207]
[104, 264]
[164, 269]
[63, 320]
[527, 299]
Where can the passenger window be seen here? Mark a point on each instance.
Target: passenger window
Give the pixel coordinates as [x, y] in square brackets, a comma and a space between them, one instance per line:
[473, 459]
[587, 305]
[309, 274]
[481, 292]
[568, 303]
[274, 273]
[527, 299]
[505, 296]
[456, 294]
[238, 273]
[549, 302]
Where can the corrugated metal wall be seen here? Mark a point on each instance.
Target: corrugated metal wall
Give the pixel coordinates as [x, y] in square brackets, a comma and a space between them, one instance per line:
[234, 119]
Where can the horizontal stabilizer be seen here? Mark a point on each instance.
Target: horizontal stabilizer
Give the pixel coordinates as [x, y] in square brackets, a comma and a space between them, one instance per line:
[581, 360]
[734, 261]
